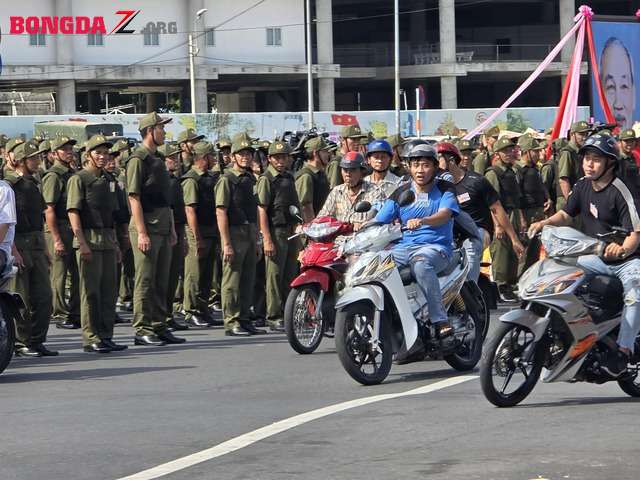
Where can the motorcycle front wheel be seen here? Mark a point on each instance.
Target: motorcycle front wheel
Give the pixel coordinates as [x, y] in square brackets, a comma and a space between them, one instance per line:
[365, 362]
[301, 323]
[7, 339]
[511, 365]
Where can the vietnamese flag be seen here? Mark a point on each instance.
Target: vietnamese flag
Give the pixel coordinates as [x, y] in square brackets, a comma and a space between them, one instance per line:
[344, 120]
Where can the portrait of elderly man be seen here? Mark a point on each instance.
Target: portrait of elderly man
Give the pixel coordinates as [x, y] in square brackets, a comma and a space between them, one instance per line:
[617, 77]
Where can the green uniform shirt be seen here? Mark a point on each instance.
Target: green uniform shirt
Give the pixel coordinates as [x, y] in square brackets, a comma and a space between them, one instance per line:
[334, 172]
[567, 165]
[190, 195]
[159, 220]
[97, 238]
[52, 187]
[263, 188]
[223, 189]
[304, 186]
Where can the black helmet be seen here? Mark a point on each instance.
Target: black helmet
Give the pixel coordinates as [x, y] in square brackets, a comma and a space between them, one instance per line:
[408, 145]
[423, 150]
[603, 143]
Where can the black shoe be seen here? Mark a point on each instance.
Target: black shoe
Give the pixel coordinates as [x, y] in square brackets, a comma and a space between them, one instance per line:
[616, 364]
[98, 347]
[215, 322]
[45, 351]
[116, 347]
[259, 322]
[506, 294]
[250, 327]
[68, 325]
[216, 306]
[27, 352]
[237, 331]
[148, 340]
[125, 306]
[197, 320]
[174, 325]
[169, 337]
[119, 319]
[277, 326]
[443, 330]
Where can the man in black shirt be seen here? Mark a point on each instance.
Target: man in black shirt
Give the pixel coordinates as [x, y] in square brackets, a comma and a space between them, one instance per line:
[602, 201]
[479, 199]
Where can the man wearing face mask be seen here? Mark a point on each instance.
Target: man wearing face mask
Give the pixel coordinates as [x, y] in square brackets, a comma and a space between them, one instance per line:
[312, 184]
[152, 234]
[237, 215]
[350, 142]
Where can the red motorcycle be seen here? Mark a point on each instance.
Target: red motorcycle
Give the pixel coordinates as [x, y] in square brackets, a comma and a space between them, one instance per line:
[309, 313]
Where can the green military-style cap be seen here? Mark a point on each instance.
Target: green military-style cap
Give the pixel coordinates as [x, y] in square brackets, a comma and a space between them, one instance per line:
[264, 144]
[44, 147]
[580, 127]
[3, 140]
[492, 132]
[527, 143]
[628, 134]
[559, 143]
[169, 148]
[224, 142]
[352, 131]
[395, 140]
[13, 143]
[151, 120]
[201, 149]
[97, 141]
[60, 141]
[316, 144]
[119, 146]
[465, 146]
[501, 144]
[279, 147]
[189, 135]
[25, 150]
[241, 141]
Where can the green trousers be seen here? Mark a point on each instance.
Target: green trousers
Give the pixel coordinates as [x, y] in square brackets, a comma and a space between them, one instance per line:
[63, 268]
[280, 271]
[504, 260]
[150, 285]
[176, 271]
[532, 246]
[216, 281]
[98, 294]
[127, 276]
[33, 284]
[198, 273]
[238, 276]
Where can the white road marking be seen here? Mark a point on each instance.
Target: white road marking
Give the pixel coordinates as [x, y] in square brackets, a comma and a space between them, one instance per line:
[250, 438]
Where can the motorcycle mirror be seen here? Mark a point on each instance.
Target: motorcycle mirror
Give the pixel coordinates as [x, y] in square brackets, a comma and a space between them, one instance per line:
[407, 197]
[362, 207]
[293, 210]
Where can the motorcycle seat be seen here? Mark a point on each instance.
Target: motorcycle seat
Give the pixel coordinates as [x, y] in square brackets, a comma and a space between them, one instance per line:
[406, 275]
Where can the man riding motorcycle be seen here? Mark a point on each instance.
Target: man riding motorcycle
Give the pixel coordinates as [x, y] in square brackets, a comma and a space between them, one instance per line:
[427, 244]
[602, 201]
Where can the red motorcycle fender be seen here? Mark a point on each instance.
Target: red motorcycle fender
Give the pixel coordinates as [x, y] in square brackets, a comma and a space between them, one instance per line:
[313, 275]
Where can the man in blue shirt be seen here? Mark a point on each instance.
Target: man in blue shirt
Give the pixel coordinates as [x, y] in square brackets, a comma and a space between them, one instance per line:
[427, 244]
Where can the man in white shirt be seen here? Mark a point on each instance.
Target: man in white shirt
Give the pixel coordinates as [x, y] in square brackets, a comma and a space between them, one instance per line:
[7, 224]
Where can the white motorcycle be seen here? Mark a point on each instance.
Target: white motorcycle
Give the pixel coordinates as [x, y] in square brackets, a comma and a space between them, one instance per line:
[567, 324]
[382, 312]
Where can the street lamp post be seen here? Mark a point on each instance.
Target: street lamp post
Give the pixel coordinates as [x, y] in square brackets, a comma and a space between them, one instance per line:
[192, 54]
[396, 62]
[309, 63]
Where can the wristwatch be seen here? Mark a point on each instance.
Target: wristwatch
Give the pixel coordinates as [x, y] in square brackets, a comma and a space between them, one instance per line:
[623, 253]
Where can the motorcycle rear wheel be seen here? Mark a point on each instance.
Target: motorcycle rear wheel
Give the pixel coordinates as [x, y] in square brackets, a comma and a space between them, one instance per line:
[504, 353]
[467, 356]
[354, 348]
[7, 339]
[304, 330]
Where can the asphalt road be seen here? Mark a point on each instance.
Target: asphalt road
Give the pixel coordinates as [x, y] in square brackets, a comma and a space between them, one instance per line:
[81, 416]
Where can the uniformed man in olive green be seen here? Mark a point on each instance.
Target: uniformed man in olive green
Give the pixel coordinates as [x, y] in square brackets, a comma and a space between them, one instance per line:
[92, 203]
[482, 160]
[549, 174]
[47, 156]
[535, 199]
[198, 187]
[9, 160]
[171, 153]
[276, 194]
[570, 163]
[351, 136]
[3, 143]
[224, 148]
[627, 167]
[312, 184]
[59, 236]
[152, 233]
[397, 165]
[466, 153]
[237, 212]
[32, 280]
[186, 140]
[504, 179]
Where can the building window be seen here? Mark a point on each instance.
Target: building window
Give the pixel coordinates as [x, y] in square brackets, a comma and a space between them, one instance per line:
[211, 37]
[274, 37]
[151, 35]
[95, 39]
[37, 40]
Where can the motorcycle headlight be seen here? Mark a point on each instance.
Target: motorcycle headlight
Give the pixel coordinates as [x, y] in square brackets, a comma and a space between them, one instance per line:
[554, 286]
[369, 268]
